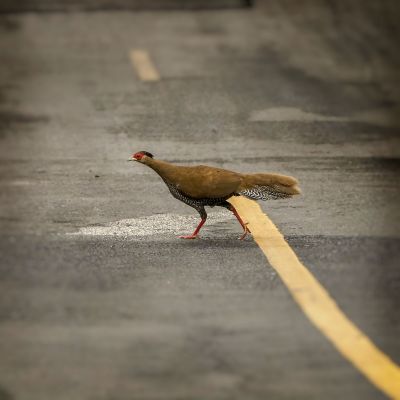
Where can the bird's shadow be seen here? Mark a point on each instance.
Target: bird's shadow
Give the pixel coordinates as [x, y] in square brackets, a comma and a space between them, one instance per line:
[217, 242]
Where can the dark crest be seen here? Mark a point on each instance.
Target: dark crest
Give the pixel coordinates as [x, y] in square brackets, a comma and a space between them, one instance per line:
[146, 153]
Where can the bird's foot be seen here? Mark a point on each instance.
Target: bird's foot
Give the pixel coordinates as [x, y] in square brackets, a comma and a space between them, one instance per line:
[245, 232]
[188, 237]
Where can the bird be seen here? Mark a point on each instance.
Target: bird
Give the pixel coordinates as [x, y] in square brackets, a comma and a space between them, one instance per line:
[201, 185]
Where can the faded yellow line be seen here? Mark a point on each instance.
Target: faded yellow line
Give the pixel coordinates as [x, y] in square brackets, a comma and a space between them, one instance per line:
[143, 65]
[317, 304]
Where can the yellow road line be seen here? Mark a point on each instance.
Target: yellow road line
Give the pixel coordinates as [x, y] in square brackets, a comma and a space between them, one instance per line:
[317, 304]
[143, 65]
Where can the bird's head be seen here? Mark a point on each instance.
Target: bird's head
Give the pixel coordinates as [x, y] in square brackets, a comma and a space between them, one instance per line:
[141, 156]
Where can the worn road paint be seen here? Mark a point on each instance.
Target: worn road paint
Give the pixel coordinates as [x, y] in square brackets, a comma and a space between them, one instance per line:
[374, 116]
[157, 224]
[317, 304]
[143, 65]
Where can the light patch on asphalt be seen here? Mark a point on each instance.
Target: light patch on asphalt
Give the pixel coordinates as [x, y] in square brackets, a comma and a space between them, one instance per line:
[281, 114]
[153, 225]
[143, 65]
[18, 183]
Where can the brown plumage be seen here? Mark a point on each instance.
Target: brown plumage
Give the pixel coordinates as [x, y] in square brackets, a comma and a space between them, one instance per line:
[201, 186]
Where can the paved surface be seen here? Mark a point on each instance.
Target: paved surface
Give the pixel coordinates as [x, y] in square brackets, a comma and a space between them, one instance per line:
[89, 314]
[10, 6]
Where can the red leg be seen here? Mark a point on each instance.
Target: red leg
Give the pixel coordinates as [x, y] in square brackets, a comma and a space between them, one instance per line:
[194, 234]
[244, 226]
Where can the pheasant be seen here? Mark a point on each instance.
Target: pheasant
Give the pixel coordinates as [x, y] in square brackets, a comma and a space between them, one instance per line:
[201, 186]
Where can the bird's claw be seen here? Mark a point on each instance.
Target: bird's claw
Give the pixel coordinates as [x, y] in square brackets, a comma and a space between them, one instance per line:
[246, 230]
[188, 237]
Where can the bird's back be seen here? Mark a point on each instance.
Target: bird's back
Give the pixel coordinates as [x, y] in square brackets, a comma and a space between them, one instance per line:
[201, 181]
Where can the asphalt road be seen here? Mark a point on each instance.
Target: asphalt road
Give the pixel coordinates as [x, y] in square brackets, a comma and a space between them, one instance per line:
[98, 298]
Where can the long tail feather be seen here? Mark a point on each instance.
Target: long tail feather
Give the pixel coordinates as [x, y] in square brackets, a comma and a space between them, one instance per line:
[268, 186]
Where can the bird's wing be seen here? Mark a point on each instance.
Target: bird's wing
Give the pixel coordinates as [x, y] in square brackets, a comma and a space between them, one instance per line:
[207, 182]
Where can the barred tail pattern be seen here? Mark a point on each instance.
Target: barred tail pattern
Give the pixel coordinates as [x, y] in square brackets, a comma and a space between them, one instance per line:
[264, 193]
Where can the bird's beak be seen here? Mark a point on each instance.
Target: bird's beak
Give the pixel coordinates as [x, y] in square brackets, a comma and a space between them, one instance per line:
[132, 159]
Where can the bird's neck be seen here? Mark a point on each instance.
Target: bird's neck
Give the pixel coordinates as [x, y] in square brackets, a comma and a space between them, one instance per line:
[162, 168]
